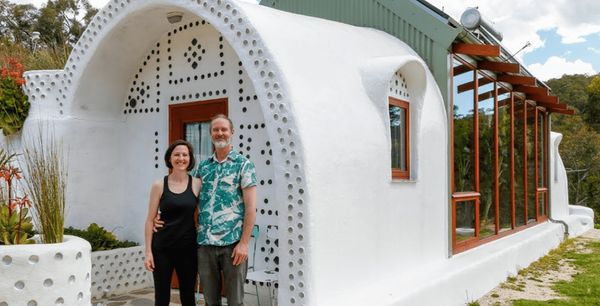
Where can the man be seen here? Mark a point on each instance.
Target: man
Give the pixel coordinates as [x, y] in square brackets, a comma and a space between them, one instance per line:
[227, 211]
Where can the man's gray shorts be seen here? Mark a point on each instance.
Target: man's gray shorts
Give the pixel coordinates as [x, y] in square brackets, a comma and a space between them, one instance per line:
[211, 261]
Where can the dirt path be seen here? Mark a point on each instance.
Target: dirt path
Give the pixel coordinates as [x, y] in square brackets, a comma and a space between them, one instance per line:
[536, 285]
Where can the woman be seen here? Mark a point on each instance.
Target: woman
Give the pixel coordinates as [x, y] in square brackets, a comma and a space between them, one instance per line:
[173, 247]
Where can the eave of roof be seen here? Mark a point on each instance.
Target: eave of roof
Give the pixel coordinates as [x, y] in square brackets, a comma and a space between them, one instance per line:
[489, 54]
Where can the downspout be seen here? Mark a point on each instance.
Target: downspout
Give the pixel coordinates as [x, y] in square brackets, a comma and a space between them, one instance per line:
[566, 233]
[549, 146]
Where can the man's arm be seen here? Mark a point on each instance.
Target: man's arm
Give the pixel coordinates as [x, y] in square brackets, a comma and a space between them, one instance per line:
[240, 252]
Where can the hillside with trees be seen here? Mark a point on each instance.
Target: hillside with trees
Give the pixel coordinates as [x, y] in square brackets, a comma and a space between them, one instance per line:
[580, 147]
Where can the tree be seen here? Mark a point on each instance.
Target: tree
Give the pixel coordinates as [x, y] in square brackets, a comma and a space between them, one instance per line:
[17, 22]
[572, 90]
[61, 22]
[592, 114]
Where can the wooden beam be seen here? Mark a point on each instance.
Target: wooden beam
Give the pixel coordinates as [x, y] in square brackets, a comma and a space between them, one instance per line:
[471, 85]
[458, 70]
[504, 102]
[499, 66]
[543, 98]
[531, 90]
[552, 105]
[516, 79]
[474, 49]
[563, 111]
[490, 94]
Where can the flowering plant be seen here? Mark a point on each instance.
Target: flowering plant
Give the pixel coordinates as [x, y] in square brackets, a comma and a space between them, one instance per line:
[14, 106]
[15, 223]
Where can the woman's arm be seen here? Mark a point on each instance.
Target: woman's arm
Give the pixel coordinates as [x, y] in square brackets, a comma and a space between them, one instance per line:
[155, 194]
[196, 186]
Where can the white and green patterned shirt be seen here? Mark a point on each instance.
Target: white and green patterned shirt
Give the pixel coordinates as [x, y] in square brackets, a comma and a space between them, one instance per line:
[221, 203]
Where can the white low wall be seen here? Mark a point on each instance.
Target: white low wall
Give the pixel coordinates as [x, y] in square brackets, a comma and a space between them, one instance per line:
[464, 277]
[580, 219]
[119, 271]
[46, 274]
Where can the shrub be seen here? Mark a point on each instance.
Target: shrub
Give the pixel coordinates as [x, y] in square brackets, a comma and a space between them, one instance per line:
[14, 106]
[99, 238]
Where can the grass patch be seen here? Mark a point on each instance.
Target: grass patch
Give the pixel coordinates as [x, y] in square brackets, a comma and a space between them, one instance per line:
[548, 262]
[584, 289]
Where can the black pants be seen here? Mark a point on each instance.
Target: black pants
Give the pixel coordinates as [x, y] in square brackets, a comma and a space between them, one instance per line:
[184, 261]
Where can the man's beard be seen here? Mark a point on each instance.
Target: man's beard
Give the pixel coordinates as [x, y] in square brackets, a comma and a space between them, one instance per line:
[221, 143]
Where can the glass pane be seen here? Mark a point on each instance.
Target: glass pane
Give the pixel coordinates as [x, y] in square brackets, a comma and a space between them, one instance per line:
[504, 154]
[463, 99]
[198, 135]
[541, 148]
[487, 212]
[519, 163]
[465, 220]
[398, 130]
[531, 185]
[541, 203]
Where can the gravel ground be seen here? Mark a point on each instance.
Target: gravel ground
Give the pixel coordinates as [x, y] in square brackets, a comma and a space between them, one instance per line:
[537, 288]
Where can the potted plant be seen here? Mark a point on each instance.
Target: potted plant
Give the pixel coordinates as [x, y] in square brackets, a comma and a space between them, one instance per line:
[56, 269]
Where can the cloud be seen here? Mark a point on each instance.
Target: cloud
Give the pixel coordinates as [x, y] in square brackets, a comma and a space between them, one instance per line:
[595, 50]
[520, 21]
[555, 67]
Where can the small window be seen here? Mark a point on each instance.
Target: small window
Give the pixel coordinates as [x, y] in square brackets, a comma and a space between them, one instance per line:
[399, 128]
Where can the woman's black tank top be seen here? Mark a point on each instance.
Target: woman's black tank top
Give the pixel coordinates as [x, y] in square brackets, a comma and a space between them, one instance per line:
[177, 211]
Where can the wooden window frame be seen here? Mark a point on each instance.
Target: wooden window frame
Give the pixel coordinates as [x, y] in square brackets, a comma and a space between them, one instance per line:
[198, 111]
[480, 79]
[397, 173]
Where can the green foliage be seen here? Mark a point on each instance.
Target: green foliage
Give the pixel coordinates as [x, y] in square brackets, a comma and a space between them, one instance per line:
[15, 227]
[15, 223]
[584, 289]
[572, 90]
[99, 238]
[580, 147]
[592, 114]
[59, 22]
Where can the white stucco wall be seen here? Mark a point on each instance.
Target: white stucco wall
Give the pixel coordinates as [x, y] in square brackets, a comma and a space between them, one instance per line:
[579, 219]
[349, 234]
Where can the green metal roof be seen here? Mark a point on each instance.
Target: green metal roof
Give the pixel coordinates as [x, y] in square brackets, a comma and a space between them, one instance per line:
[416, 22]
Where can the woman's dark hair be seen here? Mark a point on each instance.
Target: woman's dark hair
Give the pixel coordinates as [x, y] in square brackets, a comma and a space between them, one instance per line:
[170, 149]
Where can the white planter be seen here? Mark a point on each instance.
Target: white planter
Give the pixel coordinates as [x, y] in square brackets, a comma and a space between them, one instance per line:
[46, 274]
[118, 271]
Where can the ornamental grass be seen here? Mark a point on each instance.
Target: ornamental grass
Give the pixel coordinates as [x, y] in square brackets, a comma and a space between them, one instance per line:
[46, 184]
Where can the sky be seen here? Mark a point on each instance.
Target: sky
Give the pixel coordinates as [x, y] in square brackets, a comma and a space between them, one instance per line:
[564, 34]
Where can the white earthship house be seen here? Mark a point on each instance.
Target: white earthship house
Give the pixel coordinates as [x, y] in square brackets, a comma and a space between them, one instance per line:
[309, 99]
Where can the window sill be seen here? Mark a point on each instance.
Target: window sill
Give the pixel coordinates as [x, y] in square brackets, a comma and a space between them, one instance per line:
[403, 181]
